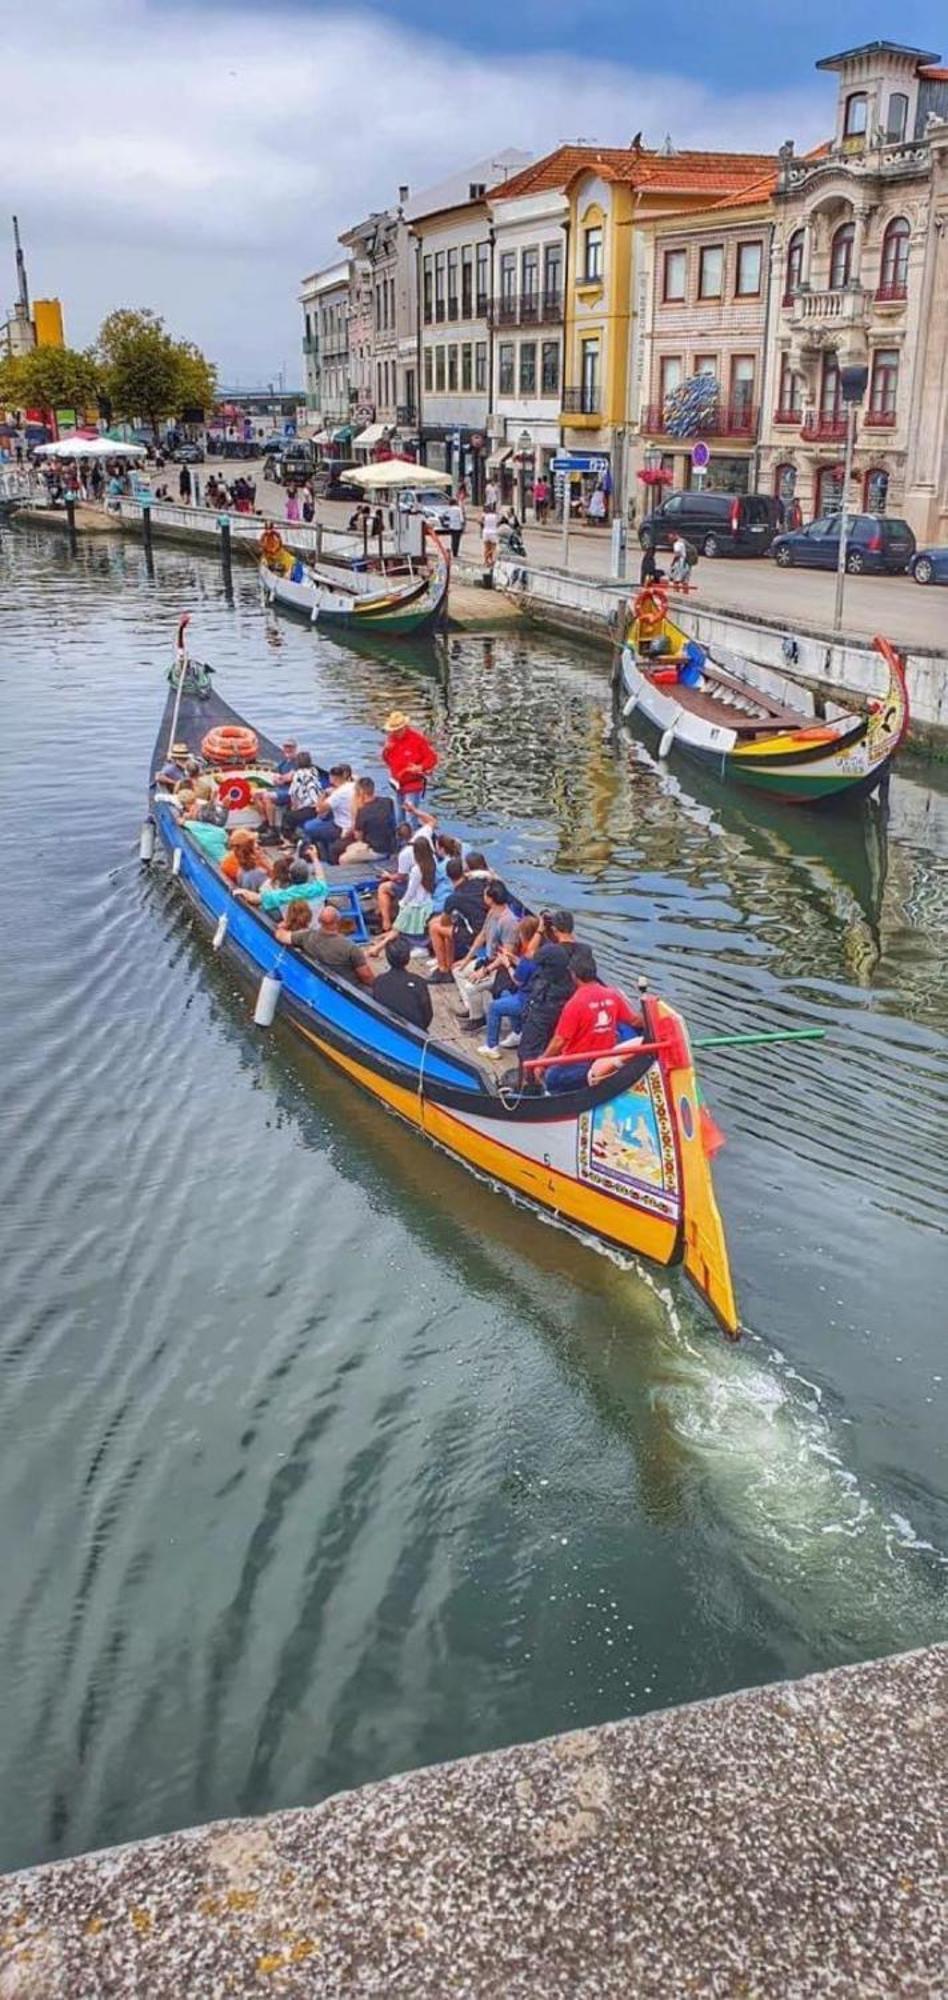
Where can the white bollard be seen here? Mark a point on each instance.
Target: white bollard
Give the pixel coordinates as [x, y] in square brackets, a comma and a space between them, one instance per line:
[146, 841]
[268, 995]
[221, 931]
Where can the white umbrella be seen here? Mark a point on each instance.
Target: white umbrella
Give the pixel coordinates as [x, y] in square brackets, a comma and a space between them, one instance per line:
[400, 472]
[99, 447]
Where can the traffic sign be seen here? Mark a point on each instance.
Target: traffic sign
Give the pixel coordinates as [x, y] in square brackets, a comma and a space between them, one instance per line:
[700, 456]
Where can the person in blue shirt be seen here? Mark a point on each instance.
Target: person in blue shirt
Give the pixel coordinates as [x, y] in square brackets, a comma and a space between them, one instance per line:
[508, 1007]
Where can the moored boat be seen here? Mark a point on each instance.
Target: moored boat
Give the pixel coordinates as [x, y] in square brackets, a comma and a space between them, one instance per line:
[343, 599]
[726, 717]
[625, 1160]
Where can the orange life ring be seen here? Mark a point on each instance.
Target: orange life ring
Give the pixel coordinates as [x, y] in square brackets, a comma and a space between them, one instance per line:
[230, 743]
[651, 602]
[234, 793]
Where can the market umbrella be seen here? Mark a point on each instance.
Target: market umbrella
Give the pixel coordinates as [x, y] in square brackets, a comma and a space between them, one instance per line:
[85, 447]
[390, 472]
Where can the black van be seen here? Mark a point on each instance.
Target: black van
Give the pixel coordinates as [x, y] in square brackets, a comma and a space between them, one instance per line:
[740, 524]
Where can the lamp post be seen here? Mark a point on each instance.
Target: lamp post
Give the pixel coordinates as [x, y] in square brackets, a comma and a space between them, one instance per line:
[653, 460]
[852, 382]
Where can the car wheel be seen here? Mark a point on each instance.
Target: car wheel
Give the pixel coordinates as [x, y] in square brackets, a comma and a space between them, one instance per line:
[855, 563]
[711, 546]
[923, 570]
[784, 556]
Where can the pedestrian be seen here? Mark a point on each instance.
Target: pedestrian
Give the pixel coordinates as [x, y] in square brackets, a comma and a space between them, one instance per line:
[184, 485]
[309, 508]
[596, 510]
[455, 525]
[684, 557]
[541, 499]
[491, 497]
[292, 510]
[489, 535]
[197, 490]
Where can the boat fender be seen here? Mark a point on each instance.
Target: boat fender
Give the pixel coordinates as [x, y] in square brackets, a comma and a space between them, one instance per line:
[176, 861]
[666, 742]
[268, 996]
[146, 841]
[221, 931]
[629, 706]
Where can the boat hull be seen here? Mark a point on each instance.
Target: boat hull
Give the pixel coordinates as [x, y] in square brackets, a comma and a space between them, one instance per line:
[403, 611]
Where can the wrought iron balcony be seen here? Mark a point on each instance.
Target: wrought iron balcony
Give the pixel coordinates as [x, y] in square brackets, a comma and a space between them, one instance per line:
[584, 402]
[879, 420]
[891, 295]
[788, 416]
[823, 427]
[528, 309]
[736, 420]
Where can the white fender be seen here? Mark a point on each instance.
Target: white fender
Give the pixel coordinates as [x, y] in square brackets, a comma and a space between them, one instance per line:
[631, 704]
[268, 996]
[176, 861]
[667, 740]
[146, 841]
[221, 931]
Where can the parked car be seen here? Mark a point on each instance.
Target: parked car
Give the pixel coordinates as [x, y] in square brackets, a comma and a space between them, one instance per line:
[333, 482]
[876, 543]
[429, 501]
[742, 524]
[186, 454]
[930, 566]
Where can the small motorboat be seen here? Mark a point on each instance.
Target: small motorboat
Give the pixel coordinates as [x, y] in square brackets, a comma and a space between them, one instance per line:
[728, 719]
[343, 598]
[625, 1160]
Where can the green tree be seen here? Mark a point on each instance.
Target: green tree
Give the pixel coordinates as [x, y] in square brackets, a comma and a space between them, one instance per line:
[145, 373]
[50, 378]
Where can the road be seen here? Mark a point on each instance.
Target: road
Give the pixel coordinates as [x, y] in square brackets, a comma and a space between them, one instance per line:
[900, 609]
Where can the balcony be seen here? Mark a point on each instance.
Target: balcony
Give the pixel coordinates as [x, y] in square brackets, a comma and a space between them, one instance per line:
[483, 305]
[406, 416]
[818, 314]
[891, 295]
[452, 308]
[879, 420]
[729, 420]
[528, 309]
[585, 402]
[823, 427]
[792, 418]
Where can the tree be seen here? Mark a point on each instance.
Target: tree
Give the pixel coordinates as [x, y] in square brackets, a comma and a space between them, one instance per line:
[50, 378]
[145, 373]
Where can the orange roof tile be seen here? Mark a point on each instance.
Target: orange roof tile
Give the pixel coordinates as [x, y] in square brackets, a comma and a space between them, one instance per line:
[933, 74]
[672, 173]
[756, 191]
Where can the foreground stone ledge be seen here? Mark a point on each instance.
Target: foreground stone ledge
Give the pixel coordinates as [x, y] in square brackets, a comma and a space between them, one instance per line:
[786, 1842]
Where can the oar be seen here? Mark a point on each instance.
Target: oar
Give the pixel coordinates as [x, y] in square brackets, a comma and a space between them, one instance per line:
[761, 1035]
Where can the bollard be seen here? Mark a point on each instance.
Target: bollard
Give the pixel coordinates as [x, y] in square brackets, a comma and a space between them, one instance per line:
[223, 522]
[71, 525]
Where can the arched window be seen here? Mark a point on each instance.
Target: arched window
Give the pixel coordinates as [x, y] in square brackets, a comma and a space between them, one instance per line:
[857, 116]
[898, 116]
[893, 271]
[794, 264]
[841, 256]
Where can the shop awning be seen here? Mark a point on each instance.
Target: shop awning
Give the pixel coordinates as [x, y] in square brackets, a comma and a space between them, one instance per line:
[499, 457]
[373, 435]
[321, 437]
[343, 435]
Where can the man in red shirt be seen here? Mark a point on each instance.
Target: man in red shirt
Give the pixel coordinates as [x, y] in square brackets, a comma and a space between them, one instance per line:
[409, 756]
[592, 1022]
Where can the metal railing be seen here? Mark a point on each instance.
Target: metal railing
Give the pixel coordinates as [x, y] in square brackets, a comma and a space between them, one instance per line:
[823, 426]
[789, 415]
[896, 293]
[727, 420]
[879, 420]
[584, 402]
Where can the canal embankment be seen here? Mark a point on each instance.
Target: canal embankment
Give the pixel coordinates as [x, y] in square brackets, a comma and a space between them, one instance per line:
[789, 1839]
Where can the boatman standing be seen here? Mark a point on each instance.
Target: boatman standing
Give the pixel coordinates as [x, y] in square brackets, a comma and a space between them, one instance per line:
[409, 757]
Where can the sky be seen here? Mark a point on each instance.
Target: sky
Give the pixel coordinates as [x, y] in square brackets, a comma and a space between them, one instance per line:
[200, 156]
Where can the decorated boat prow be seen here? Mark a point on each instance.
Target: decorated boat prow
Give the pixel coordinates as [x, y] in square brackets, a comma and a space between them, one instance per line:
[752, 726]
[624, 1159]
[342, 598]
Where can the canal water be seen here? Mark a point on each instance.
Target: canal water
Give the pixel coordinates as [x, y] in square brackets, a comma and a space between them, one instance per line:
[321, 1459]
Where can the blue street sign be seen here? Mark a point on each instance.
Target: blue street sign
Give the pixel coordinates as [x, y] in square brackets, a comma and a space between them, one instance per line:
[580, 461]
[700, 456]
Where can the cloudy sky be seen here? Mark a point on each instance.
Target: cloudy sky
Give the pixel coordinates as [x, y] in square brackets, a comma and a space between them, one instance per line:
[200, 155]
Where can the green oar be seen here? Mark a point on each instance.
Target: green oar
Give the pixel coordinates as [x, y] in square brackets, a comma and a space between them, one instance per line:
[766, 1035]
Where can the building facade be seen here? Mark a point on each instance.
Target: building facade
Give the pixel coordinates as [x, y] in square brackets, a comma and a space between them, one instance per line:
[325, 297]
[702, 354]
[526, 320]
[860, 276]
[383, 331]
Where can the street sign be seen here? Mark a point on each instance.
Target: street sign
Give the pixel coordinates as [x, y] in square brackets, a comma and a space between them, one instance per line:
[700, 456]
[580, 461]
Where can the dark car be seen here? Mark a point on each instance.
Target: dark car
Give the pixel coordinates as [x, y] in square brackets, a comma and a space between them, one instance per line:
[333, 481]
[186, 454]
[742, 524]
[930, 566]
[876, 543]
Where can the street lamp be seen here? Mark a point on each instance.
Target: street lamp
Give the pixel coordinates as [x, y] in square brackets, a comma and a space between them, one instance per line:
[852, 383]
[653, 461]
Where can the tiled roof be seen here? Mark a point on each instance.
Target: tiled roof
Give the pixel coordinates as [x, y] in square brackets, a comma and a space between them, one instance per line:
[747, 197]
[933, 74]
[671, 173]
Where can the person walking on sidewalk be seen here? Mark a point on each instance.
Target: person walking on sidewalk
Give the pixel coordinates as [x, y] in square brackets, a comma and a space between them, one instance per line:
[184, 485]
[456, 520]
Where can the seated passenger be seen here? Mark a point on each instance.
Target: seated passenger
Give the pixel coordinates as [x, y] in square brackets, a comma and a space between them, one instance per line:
[373, 833]
[334, 814]
[391, 888]
[497, 933]
[509, 1005]
[401, 991]
[328, 945]
[590, 1025]
[271, 801]
[174, 768]
[414, 910]
[296, 926]
[245, 865]
[453, 930]
[305, 792]
[306, 884]
[207, 808]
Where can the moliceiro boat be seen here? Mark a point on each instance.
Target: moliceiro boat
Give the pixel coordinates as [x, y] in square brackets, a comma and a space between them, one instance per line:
[724, 716]
[625, 1160]
[346, 598]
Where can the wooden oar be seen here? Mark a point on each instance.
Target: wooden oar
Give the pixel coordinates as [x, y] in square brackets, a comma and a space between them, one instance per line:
[629, 1049]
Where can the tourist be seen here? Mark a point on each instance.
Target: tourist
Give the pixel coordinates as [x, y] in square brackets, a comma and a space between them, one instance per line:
[174, 768]
[491, 497]
[305, 792]
[408, 757]
[455, 525]
[271, 801]
[401, 991]
[489, 537]
[590, 1025]
[541, 499]
[332, 949]
[453, 928]
[373, 835]
[297, 924]
[292, 508]
[497, 933]
[415, 907]
[245, 864]
[597, 507]
[683, 560]
[391, 887]
[519, 963]
[184, 485]
[550, 987]
[335, 811]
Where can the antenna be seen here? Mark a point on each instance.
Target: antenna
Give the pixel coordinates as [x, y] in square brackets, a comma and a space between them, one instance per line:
[22, 288]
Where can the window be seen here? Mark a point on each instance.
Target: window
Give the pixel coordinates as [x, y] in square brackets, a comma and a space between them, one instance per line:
[673, 277]
[467, 282]
[550, 368]
[831, 400]
[429, 369]
[452, 284]
[505, 368]
[483, 280]
[706, 364]
[439, 368]
[467, 377]
[898, 116]
[883, 393]
[530, 274]
[790, 394]
[439, 284]
[589, 363]
[592, 254]
[508, 278]
[749, 260]
[480, 367]
[742, 384]
[857, 114]
[553, 275]
[528, 367]
[669, 376]
[893, 273]
[711, 271]
[841, 257]
[794, 265]
[453, 367]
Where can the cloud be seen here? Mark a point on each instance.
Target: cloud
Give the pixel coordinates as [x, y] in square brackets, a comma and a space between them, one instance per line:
[201, 160]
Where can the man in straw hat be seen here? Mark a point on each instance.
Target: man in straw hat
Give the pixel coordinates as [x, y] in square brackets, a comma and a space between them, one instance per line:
[175, 767]
[409, 757]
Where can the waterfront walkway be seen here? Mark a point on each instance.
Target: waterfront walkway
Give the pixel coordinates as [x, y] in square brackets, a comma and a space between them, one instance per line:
[788, 1841]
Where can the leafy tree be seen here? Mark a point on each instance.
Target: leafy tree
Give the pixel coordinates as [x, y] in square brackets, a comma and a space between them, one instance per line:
[145, 373]
[50, 378]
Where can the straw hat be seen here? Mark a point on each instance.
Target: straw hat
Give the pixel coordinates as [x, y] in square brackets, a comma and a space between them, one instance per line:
[397, 720]
[180, 750]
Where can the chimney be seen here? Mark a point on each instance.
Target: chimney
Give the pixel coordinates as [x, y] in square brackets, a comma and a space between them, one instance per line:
[402, 196]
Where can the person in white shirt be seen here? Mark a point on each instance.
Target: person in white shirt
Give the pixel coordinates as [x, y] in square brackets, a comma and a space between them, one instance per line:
[455, 525]
[335, 812]
[489, 537]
